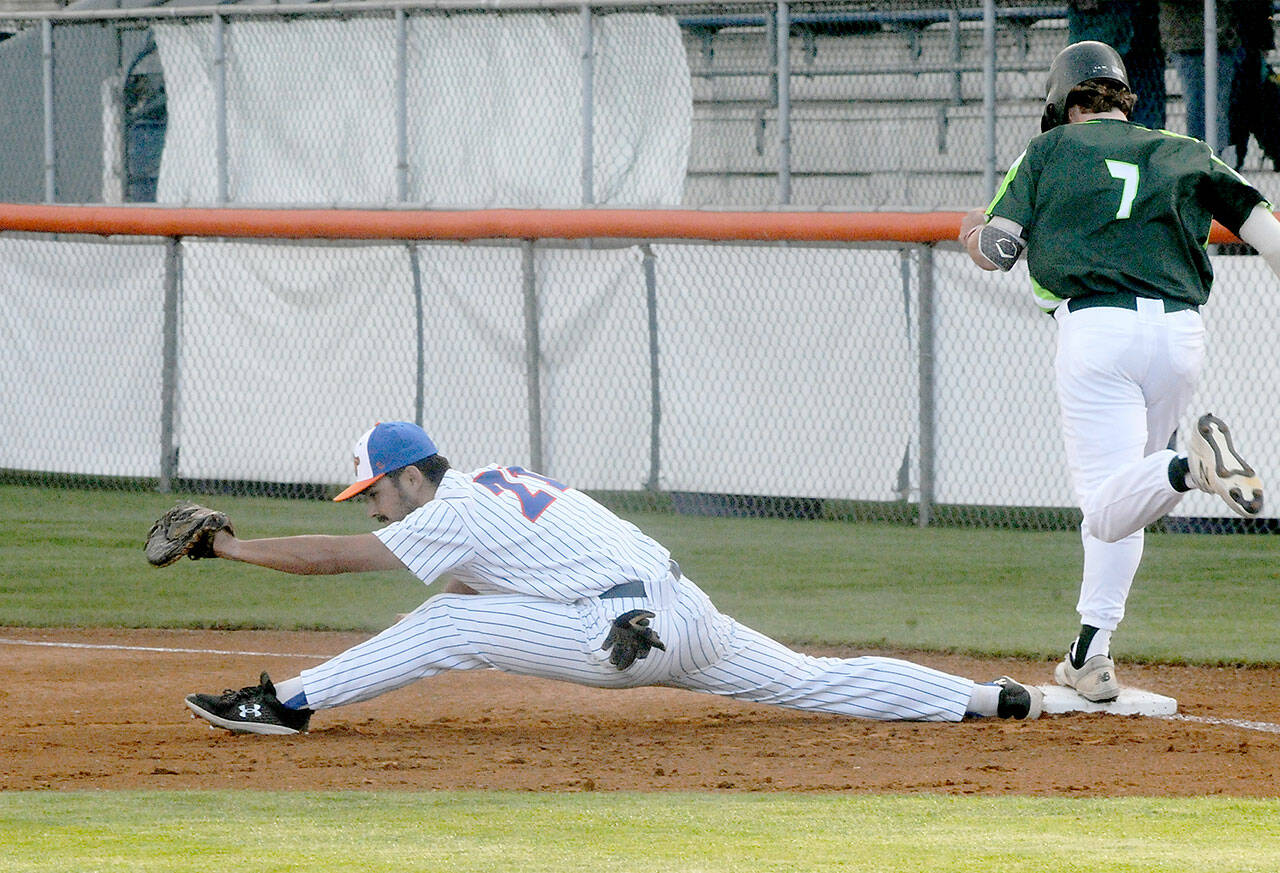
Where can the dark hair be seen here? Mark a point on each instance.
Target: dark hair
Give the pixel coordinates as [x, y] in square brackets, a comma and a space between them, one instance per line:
[433, 467]
[1102, 95]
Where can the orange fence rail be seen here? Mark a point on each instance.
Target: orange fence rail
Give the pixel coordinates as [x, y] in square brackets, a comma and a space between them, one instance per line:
[907, 227]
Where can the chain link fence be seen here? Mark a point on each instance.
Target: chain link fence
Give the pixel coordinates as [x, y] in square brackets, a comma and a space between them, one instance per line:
[882, 381]
[916, 104]
[864, 381]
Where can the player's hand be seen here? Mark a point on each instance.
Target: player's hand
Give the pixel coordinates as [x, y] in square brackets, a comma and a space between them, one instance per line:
[973, 220]
[630, 638]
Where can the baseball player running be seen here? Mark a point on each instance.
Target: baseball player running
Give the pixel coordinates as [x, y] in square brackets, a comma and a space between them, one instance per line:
[543, 581]
[1114, 219]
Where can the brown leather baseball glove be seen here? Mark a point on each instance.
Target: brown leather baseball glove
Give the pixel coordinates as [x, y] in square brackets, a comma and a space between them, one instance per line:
[187, 529]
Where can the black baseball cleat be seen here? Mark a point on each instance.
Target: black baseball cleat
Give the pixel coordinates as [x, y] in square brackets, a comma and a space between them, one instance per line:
[1017, 700]
[251, 710]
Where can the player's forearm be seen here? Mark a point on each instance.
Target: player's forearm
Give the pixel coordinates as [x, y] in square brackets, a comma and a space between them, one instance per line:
[310, 554]
[970, 227]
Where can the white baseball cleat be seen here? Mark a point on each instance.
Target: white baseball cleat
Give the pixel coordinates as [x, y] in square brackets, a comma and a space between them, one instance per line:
[1217, 468]
[1095, 681]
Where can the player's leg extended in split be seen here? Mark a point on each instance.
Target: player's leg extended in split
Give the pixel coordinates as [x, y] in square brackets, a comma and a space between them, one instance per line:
[763, 670]
[705, 651]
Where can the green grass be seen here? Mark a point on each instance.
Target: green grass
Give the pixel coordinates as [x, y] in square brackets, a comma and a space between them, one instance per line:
[74, 558]
[499, 832]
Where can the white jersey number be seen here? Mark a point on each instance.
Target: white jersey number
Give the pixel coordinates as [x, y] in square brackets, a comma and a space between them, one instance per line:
[1128, 174]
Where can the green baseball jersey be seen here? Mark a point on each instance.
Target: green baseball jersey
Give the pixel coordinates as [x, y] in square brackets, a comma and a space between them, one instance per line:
[1109, 206]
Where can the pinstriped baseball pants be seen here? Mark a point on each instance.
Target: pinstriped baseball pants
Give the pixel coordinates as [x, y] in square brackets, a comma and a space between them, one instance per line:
[706, 651]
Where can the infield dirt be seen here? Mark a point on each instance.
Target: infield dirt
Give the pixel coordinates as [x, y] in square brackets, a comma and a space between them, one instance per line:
[90, 716]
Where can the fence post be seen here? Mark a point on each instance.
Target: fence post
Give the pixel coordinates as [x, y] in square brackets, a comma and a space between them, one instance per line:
[989, 97]
[169, 371]
[419, 397]
[220, 106]
[402, 111]
[588, 106]
[957, 57]
[783, 31]
[1211, 76]
[926, 373]
[50, 155]
[532, 353]
[655, 395]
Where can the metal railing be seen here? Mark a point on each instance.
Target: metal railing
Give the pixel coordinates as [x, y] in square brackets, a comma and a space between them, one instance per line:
[800, 21]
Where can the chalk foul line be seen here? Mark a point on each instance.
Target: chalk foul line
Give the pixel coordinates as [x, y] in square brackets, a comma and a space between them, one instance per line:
[1264, 726]
[1244, 724]
[160, 649]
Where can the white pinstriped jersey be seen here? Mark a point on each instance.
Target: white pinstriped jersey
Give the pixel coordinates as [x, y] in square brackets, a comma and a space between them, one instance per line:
[504, 529]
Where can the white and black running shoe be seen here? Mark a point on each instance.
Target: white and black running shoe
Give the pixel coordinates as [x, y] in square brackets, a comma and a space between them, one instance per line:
[251, 710]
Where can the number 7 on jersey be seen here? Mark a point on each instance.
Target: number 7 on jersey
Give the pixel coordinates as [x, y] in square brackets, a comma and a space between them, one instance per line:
[1128, 174]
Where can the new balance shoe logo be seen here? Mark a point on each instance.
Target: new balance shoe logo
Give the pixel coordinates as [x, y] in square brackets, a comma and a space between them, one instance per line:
[251, 710]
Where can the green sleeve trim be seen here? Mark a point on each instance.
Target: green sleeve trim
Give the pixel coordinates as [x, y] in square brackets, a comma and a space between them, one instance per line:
[1004, 185]
[1220, 162]
[1045, 299]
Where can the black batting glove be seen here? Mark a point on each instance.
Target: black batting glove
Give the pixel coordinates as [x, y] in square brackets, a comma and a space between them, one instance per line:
[630, 638]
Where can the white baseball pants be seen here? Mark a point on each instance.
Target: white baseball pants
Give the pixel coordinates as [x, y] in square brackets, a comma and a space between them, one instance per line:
[1124, 379]
[706, 651]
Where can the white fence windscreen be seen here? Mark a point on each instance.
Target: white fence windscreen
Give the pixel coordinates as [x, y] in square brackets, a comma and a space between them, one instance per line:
[81, 354]
[778, 371]
[493, 112]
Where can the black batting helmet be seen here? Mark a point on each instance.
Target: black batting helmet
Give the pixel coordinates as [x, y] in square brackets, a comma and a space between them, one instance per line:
[1077, 63]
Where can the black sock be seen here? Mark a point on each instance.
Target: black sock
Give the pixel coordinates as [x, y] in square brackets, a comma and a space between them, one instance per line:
[1179, 467]
[1080, 650]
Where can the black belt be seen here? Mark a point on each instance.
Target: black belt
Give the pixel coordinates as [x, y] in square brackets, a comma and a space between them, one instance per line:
[634, 588]
[1124, 300]
[626, 589]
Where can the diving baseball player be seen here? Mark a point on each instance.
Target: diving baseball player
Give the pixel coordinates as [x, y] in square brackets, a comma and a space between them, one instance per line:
[1114, 220]
[544, 582]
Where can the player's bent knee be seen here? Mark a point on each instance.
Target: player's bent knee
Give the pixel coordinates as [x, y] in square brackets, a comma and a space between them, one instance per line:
[1102, 531]
[1107, 527]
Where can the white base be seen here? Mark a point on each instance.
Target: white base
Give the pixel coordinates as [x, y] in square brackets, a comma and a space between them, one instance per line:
[1132, 701]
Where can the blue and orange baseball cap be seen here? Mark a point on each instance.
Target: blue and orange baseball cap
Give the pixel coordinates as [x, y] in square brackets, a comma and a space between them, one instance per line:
[387, 446]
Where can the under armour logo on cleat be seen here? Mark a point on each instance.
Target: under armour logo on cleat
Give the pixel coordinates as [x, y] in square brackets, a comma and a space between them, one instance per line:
[251, 710]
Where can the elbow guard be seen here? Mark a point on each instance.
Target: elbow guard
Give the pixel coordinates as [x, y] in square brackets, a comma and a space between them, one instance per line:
[1262, 231]
[1000, 242]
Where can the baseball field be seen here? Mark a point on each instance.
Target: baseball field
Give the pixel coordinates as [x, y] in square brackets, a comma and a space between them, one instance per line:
[102, 769]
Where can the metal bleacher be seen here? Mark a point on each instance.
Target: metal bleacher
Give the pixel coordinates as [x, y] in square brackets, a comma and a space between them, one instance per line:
[886, 107]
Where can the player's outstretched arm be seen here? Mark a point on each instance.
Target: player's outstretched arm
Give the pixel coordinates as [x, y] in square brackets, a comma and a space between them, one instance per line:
[309, 554]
